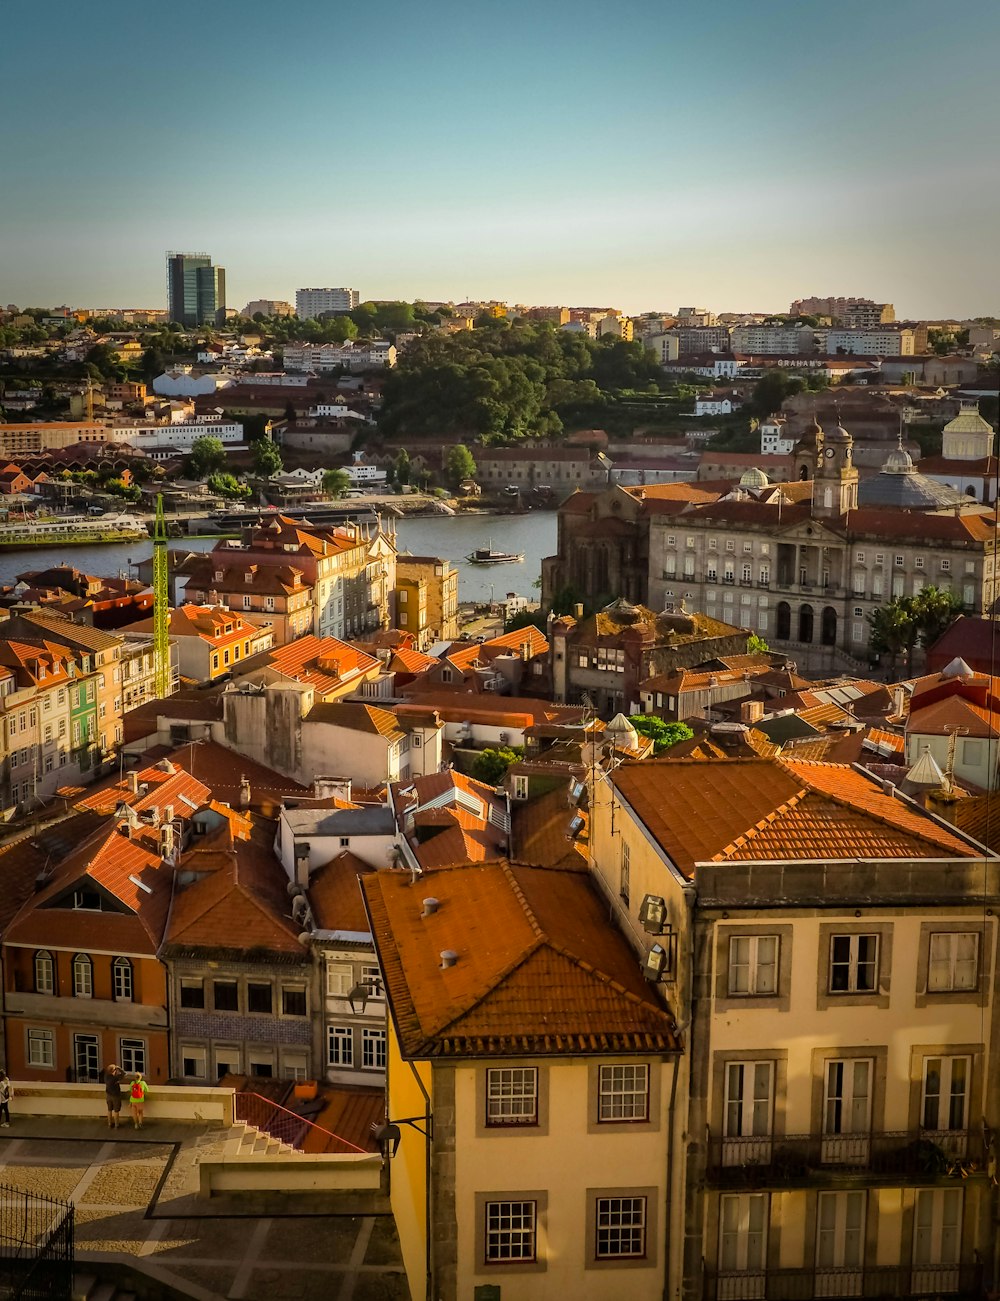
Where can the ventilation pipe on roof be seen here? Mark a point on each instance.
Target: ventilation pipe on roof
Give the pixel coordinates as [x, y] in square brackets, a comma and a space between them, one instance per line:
[244, 800]
[133, 782]
[431, 905]
[448, 958]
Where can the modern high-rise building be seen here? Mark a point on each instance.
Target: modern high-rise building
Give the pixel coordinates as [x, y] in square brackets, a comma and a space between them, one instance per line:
[310, 303]
[196, 290]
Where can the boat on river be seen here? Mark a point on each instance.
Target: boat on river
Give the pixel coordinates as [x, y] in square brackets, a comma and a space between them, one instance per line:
[487, 556]
[58, 530]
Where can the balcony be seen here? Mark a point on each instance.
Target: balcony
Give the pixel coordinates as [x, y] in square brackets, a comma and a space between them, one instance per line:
[918, 1282]
[800, 1160]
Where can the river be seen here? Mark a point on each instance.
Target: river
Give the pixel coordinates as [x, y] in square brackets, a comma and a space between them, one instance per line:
[450, 537]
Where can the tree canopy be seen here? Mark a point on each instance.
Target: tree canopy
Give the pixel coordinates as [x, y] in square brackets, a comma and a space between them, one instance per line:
[502, 381]
[459, 464]
[266, 458]
[899, 625]
[336, 482]
[207, 456]
[661, 733]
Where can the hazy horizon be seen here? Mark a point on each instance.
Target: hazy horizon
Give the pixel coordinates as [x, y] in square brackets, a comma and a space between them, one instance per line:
[737, 158]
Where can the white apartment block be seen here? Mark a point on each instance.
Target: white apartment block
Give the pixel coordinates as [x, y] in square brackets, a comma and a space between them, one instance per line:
[159, 441]
[773, 339]
[376, 355]
[886, 342]
[774, 438]
[310, 303]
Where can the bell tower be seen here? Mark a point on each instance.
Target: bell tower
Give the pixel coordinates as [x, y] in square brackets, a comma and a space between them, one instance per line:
[835, 483]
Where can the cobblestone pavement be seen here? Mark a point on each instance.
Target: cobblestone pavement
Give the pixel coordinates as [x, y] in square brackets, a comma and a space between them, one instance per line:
[136, 1203]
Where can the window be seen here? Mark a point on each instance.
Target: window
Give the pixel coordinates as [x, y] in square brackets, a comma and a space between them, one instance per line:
[953, 961]
[753, 965]
[848, 1096]
[853, 964]
[293, 1000]
[918, 562]
[520, 788]
[261, 1064]
[259, 998]
[742, 1234]
[339, 979]
[840, 1238]
[133, 1055]
[194, 1062]
[859, 557]
[623, 1093]
[373, 1050]
[511, 1233]
[340, 1045]
[121, 970]
[225, 995]
[83, 976]
[749, 1089]
[512, 1095]
[937, 1237]
[730, 544]
[41, 1048]
[371, 978]
[945, 1102]
[626, 872]
[192, 993]
[44, 973]
[621, 1228]
[859, 612]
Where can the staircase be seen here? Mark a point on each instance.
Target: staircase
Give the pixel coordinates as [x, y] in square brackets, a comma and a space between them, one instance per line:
[246, 1140]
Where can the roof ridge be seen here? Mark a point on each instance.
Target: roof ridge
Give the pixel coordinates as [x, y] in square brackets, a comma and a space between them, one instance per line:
[596, 972]
[784, 807]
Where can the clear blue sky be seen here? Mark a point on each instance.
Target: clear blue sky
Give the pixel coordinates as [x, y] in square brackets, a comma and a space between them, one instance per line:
[643, 155]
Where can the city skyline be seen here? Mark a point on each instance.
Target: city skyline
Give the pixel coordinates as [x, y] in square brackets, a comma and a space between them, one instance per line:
[557, 154]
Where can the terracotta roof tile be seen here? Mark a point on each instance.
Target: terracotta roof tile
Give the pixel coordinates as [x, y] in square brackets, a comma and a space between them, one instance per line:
[540, 968]
[335, 896]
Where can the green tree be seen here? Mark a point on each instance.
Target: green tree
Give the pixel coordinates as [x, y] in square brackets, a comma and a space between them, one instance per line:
[934, 610]
[336, 482]
[459, 464]
[661, 733]
[266, 458]
[401, 466]
[894, 630]
[527, 619]
[771, 390]
[491, 764]
[756, 645]
[208, 456]
[227, 485]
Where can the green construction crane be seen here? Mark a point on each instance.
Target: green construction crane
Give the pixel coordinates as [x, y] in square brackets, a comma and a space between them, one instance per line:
[161, 603]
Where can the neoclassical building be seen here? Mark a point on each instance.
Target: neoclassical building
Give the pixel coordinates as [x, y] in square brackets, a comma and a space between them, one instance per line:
[804, 562]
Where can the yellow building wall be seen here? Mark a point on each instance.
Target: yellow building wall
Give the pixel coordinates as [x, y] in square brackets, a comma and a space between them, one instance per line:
[407, 1172]
[564, 1162]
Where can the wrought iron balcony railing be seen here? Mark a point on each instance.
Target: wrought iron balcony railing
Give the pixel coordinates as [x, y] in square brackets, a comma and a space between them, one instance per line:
[916, 1282]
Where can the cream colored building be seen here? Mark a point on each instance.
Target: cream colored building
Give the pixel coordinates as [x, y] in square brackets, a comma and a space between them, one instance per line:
[828, 949]
[530, 1080]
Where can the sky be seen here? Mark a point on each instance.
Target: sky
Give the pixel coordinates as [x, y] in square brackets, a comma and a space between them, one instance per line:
[733, 155]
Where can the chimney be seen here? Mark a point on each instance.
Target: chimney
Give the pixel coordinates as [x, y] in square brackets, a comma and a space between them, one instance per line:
[888, 787]
[302, 864]
[751, 711]
[133, 783]
[325, 788]
[244, 800]
[168, 813]
[578, 610]
[431, 905]
[448, 958]
[167, 843]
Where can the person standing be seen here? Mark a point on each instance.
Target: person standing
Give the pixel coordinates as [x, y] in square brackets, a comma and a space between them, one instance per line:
[113, 1077]
[6, 1093]
[137, 1096]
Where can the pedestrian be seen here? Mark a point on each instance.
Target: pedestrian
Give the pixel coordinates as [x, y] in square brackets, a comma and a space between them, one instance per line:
[137, 1096]
[6, 1093]
[113, 1077]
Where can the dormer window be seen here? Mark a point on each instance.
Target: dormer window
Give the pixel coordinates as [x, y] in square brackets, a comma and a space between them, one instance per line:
[219, 576]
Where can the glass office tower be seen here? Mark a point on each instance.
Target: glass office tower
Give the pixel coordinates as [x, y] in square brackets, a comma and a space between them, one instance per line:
[196, 290]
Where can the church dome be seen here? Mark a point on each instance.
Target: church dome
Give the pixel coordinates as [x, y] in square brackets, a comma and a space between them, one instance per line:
[899, 461]
[755, 478]
[900, 484]
[837, 435]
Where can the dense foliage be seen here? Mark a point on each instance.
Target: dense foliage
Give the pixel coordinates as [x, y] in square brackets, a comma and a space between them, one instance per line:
[898, 626]
[661, 733]
[509, 381]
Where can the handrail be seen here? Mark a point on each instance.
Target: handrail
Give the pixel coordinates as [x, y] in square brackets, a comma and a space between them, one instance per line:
[299, 1119]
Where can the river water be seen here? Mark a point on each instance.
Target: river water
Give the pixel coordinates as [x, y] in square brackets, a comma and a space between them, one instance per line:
[450, 537]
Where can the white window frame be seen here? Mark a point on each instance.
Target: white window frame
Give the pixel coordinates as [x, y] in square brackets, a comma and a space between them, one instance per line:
[343, 1036]
[510, 1232]
[749, 1099]
[944, 1094]
[123, 979]
[37, 1053]
[620, 1227]
[623, 1093]
[949, 972]
[856, 961]
[45, 972]
[743, 1224]
[511, 1096]
[750, 952]
[199, 1056]
[840, 1233]
[83, 976]
[339, 979]
[625, 872]
[847, 1095]
[132, 1051]
[937, 1238]
[373, 1049]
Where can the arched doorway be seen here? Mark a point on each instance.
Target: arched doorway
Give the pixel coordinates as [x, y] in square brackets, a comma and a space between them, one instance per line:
[805, 623]
[784, 631]
[828, 628]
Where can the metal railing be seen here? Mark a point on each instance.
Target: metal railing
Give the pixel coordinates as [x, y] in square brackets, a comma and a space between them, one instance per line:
[804, 1158]
[36, 1247]
[917, 1282]
[288, 1126]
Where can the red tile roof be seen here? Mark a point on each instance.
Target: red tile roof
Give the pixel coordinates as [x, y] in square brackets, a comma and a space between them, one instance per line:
[540, 968]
